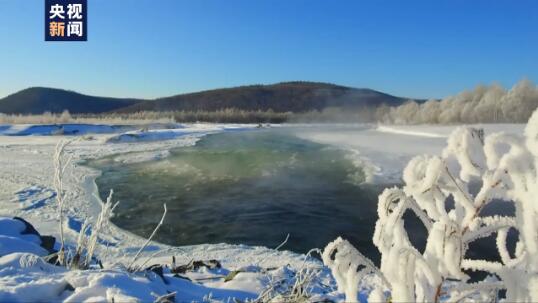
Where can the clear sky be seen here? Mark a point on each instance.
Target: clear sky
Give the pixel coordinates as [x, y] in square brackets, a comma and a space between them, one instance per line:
[152, 48]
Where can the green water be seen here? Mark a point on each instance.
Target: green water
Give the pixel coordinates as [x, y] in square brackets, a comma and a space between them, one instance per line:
[250, 187]
[255, 187]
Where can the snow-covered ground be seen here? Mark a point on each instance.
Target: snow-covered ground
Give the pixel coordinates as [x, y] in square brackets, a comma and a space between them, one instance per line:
[26, 191]
[384, 151]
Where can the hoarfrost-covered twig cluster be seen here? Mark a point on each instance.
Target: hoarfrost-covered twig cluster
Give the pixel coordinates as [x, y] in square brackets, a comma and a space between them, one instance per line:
[60, 164]
[503, 167]
[107, 210]
[131, 267]
[286, 285]
[86, 244]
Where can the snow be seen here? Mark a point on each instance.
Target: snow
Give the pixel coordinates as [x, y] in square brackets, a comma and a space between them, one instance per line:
[10, 245]
[26, 173]
[58, 129]
[384, 151]
[14, 239]
[27, 191]
[26, 277]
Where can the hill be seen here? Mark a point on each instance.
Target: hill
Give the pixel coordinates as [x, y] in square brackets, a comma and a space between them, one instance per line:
[36, 100]
[280, 97]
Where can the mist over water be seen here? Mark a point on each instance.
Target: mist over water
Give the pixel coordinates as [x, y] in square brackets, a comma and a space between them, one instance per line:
[255, 187]
[250, 187]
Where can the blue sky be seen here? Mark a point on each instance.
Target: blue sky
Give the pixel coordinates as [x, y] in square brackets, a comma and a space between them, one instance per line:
[152, 48]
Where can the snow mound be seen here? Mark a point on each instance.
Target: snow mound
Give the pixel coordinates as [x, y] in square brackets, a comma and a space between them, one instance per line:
[17, 236]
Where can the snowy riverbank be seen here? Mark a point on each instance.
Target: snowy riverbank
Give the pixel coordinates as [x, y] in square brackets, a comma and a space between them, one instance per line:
[26, 178]
[384, 151]
[26, 171]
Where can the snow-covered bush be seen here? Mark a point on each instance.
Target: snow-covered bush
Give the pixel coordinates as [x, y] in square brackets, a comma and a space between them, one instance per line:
[448, 194]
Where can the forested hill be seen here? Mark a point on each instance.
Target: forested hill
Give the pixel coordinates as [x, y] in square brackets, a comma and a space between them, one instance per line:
[280, 97]
[37, 100]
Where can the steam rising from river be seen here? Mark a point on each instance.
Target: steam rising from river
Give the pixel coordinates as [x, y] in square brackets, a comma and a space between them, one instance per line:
[251, 187]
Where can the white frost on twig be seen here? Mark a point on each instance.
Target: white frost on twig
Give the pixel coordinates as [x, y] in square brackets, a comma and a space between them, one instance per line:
[135, 257]
[506, 168]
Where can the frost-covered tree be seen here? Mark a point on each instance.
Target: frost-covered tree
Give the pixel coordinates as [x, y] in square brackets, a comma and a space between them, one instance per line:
[65, 116]
[503, 167]
[484, 104]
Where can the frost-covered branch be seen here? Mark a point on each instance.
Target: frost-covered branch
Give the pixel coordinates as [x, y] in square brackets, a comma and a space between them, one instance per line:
[135, 257]
[104, 216]
[484, 226]
[60, 165]
[348, 266]
[506, 167]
